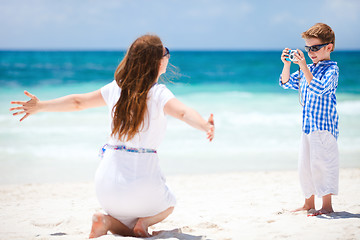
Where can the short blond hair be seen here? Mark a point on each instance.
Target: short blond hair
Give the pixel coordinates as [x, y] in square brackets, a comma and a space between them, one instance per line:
[322, 32]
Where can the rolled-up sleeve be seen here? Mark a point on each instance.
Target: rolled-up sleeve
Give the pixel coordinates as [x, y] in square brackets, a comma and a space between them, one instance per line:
[327, 83]
[293, 82]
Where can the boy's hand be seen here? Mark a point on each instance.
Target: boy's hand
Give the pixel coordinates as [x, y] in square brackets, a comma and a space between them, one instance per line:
[284, 55]
[301, 58]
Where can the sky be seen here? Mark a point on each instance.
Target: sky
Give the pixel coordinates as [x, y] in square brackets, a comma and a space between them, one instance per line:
[181, 24]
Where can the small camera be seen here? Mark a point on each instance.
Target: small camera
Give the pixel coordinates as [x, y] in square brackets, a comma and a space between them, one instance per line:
[292, 56]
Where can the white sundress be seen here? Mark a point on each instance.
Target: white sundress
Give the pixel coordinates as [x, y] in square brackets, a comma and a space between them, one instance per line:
[130, 185]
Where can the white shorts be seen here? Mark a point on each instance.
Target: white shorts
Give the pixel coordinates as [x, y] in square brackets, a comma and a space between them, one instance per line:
[319, 164]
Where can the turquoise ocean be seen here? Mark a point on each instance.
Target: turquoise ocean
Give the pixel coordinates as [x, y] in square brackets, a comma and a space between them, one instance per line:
[258, 124]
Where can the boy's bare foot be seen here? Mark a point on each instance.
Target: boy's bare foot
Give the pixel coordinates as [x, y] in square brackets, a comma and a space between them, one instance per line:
[99, 226]
[311, 212]
[141, 229]
[308, 205]
[326, 206]
[303, 208]
[323, 211]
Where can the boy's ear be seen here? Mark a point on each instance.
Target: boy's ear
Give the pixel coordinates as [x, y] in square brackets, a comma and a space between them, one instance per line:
[329, 47]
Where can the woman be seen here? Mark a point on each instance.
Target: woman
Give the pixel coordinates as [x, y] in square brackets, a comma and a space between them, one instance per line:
[129, 184]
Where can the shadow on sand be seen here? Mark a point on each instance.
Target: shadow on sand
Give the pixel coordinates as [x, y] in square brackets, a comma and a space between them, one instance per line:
[177, 234]
[339, 215]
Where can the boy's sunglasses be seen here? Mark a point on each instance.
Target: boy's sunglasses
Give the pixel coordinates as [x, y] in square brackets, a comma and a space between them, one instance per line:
[315, 48]
[167, 52]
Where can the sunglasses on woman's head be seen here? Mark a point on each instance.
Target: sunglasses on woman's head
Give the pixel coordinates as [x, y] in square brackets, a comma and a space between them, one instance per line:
[167, 52]
[315, 48]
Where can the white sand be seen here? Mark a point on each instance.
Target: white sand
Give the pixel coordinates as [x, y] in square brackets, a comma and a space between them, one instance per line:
[246, 205]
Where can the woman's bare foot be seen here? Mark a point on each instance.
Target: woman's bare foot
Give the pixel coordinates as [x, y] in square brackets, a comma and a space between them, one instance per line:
[142, 225]
[141, 228]
[155, 233]
[99, 225]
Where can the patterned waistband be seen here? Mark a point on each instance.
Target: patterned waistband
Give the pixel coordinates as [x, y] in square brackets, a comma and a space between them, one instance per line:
[126, 149]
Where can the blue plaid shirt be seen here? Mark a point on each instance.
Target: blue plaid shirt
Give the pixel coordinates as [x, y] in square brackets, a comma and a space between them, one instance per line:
[318, 97]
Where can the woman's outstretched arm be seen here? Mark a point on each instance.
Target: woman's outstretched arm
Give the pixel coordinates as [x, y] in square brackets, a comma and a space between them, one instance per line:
[178, 110]
[69, 103]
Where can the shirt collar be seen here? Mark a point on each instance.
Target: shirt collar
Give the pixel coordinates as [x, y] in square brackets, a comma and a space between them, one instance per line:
[325, 62]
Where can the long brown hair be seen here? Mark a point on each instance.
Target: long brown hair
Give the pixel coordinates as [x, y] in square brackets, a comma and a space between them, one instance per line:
[135, 75]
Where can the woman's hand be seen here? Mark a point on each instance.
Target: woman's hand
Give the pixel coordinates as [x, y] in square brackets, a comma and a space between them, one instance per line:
[211, 131]
[69, 103]
[30, 107]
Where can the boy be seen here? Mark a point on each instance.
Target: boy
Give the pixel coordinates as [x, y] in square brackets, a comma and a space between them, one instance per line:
[319, 156]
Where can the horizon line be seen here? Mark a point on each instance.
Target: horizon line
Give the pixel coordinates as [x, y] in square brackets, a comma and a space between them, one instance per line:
[172, 50]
